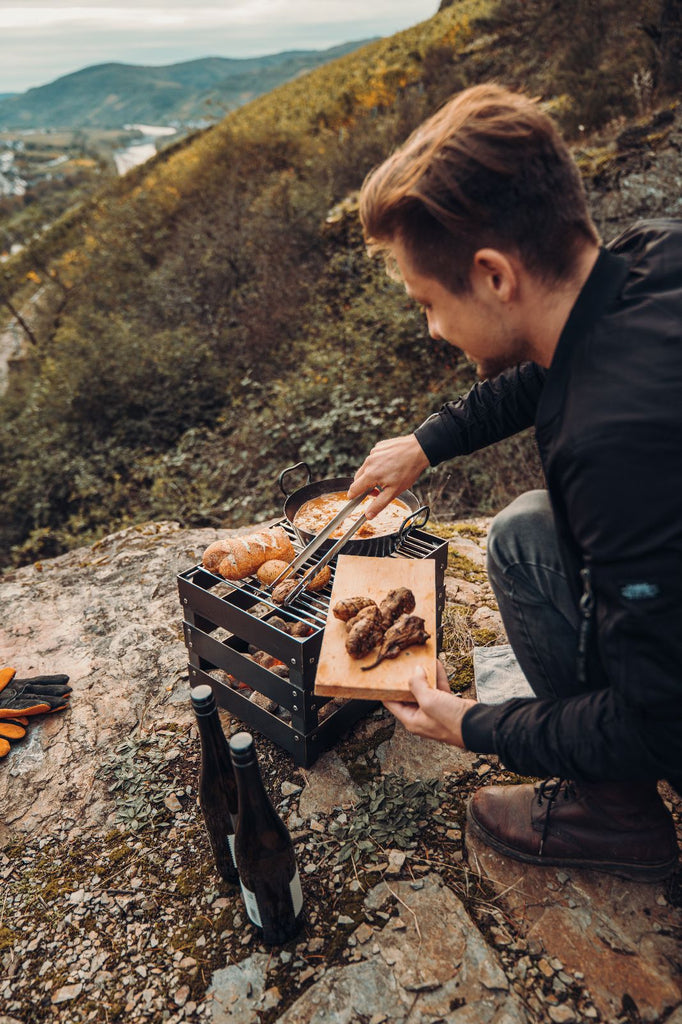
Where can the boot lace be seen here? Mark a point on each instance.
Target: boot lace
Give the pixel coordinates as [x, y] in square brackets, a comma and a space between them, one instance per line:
[549, 791]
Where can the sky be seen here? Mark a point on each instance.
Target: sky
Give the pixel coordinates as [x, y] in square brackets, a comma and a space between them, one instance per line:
[41, 40]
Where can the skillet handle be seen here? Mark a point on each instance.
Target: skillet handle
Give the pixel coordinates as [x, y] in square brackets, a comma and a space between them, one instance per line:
[415, 521]
[290, 469]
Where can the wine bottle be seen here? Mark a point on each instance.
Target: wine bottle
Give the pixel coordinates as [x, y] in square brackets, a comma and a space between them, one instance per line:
[217, 785]
[264, 852]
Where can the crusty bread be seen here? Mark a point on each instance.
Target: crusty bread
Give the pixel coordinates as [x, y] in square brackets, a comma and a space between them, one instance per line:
[238, 557]
[268, 572]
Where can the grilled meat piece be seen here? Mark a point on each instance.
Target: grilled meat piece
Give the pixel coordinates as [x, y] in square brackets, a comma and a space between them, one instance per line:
[369, 611]
[320, 579]
[396, 603]
[349, 608]
[407, 631]
[318, 582]
[282, 590]
[366, 631]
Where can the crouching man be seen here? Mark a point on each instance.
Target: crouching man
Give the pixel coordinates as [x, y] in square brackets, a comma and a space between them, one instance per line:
[482, 215]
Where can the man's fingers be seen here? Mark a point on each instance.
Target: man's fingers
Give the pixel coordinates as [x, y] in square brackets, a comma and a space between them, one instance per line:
[380, 502]
[419, 682]
[442, 677]
[357, 487]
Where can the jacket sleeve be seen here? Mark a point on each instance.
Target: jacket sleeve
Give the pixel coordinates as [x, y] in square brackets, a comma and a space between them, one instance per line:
[492, 410]
[630, 728]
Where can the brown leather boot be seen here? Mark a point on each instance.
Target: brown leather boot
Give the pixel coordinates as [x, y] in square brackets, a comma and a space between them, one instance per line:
[621, 828]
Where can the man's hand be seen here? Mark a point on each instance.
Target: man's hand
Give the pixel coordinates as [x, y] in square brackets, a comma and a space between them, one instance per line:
[438, 713]
[393, 465]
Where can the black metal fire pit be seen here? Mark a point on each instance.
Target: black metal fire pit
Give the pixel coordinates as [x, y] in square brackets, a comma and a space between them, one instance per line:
[223, 621]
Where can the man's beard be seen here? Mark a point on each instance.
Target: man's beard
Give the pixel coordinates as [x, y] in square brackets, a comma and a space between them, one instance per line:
[486, 369]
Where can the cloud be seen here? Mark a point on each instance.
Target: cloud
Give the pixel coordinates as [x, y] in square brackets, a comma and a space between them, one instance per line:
[41, 42]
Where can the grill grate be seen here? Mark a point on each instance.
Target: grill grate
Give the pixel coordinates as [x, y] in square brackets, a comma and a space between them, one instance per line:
[223, 619]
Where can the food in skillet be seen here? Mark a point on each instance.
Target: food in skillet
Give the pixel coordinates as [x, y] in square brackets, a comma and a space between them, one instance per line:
[314, 515]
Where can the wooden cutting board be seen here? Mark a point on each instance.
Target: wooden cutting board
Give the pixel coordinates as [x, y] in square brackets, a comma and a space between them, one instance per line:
[339, 675]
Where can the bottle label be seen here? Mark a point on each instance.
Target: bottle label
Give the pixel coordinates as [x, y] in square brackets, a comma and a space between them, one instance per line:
[296, 893]
[251, 903]
[230, 843]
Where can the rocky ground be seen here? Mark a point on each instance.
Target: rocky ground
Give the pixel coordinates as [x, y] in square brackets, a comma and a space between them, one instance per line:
[111, 910]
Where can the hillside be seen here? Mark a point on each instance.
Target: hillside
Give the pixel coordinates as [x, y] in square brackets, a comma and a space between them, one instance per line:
[112, 95]
[217, 316]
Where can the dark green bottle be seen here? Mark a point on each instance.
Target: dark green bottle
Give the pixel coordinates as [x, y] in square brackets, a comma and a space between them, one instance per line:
[264, 852]
[217, 785]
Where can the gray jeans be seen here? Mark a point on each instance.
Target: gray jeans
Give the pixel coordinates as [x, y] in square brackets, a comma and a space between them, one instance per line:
[539, 612]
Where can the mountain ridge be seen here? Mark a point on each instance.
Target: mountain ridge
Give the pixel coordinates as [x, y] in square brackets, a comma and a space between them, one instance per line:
[113, 93]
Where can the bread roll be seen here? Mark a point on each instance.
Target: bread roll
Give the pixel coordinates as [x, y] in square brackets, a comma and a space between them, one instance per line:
[269, 571]
[238, 557]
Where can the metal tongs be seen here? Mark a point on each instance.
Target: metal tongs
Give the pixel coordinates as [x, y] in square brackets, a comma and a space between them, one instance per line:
[317, 542]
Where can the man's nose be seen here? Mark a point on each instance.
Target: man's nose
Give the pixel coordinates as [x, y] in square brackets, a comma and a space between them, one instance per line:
[434, 333]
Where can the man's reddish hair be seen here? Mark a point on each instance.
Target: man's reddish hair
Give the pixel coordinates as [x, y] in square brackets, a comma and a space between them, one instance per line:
[488, 169]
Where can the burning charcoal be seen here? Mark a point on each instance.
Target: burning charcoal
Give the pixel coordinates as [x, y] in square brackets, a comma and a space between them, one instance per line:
[396, 603]
[349, 608]
[408, 631]
[265, 660]
[299, 629]
[264, 702]
[279, 624]
[224, 677]
[330, 707]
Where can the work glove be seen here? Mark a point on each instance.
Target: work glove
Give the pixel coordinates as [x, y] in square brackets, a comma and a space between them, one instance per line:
[11, 730]
[22, 698]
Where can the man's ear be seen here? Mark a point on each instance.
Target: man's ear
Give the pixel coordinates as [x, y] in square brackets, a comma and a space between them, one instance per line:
[495, 273]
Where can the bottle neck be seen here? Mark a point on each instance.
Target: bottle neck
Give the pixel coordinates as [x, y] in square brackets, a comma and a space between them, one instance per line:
[208, 723]
[215, 755]
[252, 792]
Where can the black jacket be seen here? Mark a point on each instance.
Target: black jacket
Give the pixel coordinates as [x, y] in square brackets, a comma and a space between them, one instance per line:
[608, 420]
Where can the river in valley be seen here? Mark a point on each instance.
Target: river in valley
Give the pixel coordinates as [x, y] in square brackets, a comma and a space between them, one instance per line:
[143, 148]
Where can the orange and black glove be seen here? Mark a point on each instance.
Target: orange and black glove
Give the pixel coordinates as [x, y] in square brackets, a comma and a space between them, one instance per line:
[21, 699]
